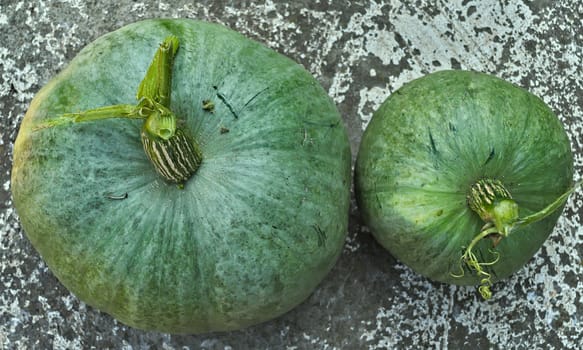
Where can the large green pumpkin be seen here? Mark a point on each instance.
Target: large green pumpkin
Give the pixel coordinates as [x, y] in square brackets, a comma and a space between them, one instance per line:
[439, 140]
[245, 239]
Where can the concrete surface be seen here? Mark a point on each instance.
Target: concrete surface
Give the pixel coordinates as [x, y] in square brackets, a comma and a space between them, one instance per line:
[360, 51]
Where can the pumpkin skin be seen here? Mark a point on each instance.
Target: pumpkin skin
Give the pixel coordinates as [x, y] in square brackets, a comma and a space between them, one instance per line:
[435, 137]
[252, 232]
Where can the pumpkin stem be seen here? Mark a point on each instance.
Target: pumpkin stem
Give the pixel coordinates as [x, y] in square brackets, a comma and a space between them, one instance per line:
[549, 209]
[172, 151]
[174, 154]
[495, 206]
[492, 201]
[107, 112]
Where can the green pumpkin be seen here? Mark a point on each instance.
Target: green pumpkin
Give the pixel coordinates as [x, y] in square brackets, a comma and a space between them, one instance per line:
[460, 176]
[244, 239]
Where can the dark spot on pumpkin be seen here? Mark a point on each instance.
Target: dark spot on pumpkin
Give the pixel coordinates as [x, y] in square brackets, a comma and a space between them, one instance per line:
[321, 235]
[223, 99]
[254, 97]
[432, 142]
[490, 156]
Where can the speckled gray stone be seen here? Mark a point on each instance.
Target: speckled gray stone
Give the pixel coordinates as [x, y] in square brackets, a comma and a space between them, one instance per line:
[360, 52]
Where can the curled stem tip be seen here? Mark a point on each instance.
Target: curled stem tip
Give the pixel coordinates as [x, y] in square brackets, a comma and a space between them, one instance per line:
[470, 261]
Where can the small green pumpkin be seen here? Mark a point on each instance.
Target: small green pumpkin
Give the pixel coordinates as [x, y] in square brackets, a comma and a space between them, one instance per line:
[461, 176]
[241, 235]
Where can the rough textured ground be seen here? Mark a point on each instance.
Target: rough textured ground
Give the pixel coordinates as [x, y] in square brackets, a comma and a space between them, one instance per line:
[360, 51]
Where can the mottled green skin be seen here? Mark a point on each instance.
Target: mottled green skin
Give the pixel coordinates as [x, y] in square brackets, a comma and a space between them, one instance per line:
[253, 231]
[435, 137]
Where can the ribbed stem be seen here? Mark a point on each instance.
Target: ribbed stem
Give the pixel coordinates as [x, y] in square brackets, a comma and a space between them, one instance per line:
[176, 159]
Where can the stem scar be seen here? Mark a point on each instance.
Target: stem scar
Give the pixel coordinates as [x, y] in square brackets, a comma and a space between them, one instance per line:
[117, 197]
[208, 106]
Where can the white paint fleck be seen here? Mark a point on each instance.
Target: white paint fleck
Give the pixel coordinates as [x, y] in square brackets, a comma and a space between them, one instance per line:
[79, 5]
[352, 244]
[340, 84]
[383, 45]
[371, 98]
[3, 17]
[139, 8]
